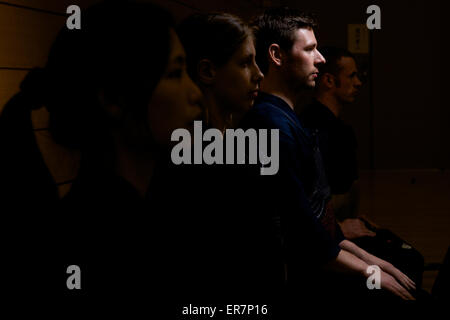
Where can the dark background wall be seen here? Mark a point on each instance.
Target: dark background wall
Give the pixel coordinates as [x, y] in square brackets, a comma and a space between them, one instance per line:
[400, 118]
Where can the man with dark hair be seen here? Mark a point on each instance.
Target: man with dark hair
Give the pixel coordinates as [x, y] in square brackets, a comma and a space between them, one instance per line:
[337, 86]
[299, 194]
[276, 26]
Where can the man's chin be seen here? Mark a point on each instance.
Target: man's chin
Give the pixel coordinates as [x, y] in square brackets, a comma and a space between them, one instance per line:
[304, 85]
[310, 84]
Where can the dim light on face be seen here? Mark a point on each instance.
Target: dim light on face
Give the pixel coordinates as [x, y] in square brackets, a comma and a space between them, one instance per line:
[175, 100]
[236, 83]
[303, 58]
[348, 84]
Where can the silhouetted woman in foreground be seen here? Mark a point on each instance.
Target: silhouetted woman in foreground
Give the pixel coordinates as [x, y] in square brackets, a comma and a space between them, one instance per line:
[116, 89]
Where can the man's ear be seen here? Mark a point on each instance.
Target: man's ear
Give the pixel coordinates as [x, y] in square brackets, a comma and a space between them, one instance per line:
[328, 80]
[275, 54]
[206, 71]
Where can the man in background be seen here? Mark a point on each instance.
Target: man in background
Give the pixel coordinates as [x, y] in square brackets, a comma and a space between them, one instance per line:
[336, 88]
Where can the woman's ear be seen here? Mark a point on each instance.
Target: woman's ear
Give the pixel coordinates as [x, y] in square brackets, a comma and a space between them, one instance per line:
[275, 54]
[206, 72]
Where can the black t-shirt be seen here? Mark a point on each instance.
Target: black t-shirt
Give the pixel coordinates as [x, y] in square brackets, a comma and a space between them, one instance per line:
[337, 143]
[192, 239]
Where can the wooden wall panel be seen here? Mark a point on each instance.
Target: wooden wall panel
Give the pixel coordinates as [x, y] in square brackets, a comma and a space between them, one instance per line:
[9, 84]
[26, 36]
[57, 6]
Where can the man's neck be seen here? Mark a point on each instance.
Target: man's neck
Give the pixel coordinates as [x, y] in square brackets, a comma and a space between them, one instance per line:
[274, 85]
[331, 103]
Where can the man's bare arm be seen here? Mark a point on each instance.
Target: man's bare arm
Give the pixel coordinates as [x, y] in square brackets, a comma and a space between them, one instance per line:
[370, 259]
[347, 262]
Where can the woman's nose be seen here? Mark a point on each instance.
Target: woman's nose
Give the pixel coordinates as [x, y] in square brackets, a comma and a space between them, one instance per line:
[259, 76]
[195, 94]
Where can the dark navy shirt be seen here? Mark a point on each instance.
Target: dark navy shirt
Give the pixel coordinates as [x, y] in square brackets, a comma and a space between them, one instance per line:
[288, 194]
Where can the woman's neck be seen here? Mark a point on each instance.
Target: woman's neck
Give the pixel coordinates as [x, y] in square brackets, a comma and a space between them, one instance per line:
[134, 166]
[215, 115]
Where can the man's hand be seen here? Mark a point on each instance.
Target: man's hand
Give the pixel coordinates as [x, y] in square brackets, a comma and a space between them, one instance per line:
[355, 228]
[387, 267]
[389, 283]
[404, 280]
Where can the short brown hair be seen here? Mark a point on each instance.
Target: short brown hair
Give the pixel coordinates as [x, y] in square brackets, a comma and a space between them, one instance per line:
[277, 25]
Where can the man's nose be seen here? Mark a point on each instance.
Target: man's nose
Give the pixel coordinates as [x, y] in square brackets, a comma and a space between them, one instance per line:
[319, 58]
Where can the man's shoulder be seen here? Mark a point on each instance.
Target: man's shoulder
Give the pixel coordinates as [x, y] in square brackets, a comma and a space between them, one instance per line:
[266, 114]
[318, 116]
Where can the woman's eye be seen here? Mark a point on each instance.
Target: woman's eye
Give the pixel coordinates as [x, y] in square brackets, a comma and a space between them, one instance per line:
[246, 63]
[175, 73]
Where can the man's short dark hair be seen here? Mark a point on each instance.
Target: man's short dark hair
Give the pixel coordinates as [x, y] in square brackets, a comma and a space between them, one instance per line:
[278, 25]
[332, 56]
